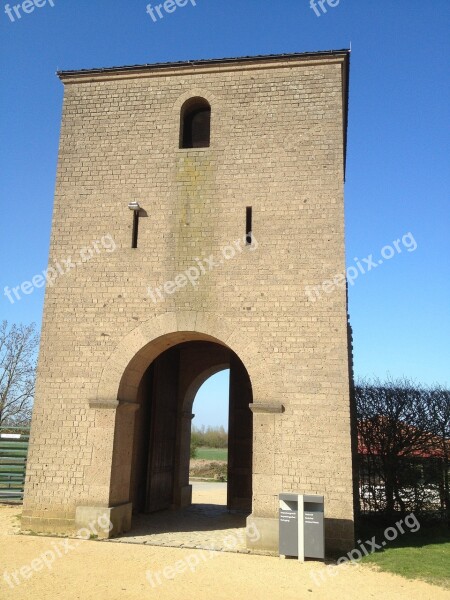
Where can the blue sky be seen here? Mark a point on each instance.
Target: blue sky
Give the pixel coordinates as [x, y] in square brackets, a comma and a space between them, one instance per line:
[397, 169]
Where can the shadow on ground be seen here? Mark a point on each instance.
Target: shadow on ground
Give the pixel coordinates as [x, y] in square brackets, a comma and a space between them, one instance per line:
[207, 526]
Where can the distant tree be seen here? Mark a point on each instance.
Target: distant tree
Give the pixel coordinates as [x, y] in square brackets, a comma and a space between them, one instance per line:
[193, 449]
[18, 351]
[210, 437]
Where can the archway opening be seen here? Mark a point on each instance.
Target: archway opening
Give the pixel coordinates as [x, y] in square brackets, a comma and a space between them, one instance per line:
[153, 441]
[208, 469]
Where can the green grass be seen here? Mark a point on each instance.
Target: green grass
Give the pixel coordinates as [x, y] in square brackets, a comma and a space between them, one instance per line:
[212, 453]
[422, 555]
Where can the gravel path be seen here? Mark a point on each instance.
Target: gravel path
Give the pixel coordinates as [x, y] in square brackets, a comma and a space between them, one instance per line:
[90, 570]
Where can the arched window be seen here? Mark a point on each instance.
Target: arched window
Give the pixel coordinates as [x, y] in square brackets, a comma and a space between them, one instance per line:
[195, 123]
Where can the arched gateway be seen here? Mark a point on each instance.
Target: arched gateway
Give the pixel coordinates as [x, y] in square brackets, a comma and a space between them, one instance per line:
[224, 250]
[151, 411]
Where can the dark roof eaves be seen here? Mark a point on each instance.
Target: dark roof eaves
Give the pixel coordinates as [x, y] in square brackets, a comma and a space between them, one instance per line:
[201, 62]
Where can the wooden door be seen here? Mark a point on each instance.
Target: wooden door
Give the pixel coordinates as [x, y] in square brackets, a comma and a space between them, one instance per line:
[240, 438]
[163, 432]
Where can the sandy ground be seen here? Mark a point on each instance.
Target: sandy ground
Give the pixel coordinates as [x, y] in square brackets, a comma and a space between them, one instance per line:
[88, 570]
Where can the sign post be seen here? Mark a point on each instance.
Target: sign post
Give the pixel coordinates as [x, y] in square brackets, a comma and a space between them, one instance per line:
[301, 525]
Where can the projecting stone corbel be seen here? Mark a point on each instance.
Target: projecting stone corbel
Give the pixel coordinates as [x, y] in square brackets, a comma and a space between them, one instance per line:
[99, 403]
[266, 407]
[187, 414]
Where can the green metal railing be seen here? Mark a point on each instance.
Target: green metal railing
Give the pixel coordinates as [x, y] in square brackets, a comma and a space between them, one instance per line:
[13, 460]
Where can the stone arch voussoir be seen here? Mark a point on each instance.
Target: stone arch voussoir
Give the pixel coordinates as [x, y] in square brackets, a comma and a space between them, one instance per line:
[165, 330]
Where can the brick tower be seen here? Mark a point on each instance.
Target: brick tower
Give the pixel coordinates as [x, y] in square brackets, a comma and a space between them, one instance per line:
[197, 203]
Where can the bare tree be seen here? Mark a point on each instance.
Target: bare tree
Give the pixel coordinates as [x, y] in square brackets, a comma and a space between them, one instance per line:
[18, 350]
[439, 402]
[394, 424]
